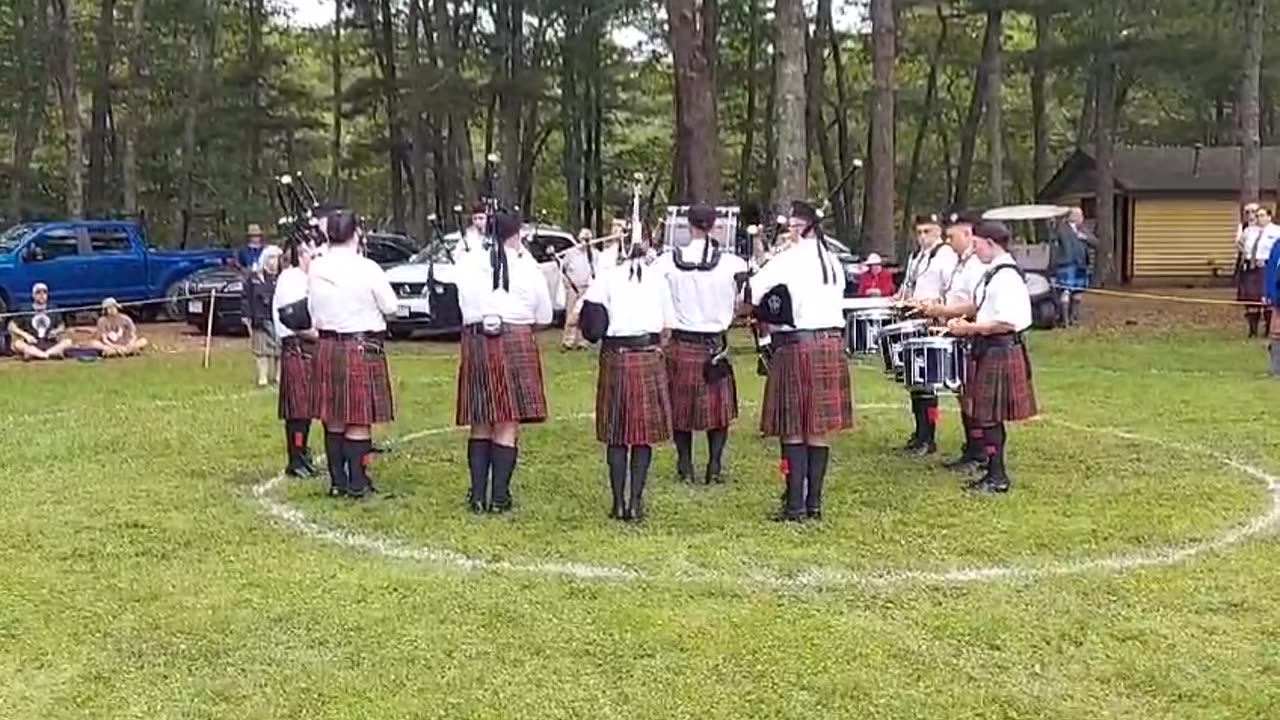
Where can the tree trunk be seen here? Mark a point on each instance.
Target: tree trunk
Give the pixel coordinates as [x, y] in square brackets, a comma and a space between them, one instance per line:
[395, 135]
[418, 125]
[1088, 117]
[256, 21]
[843, 136]
[571, 116]
[880, 196]
[770, 169]
[1104, 139]
[969, 133]
[508, 69]
[98, 133]
[1250, 115]
[749, 121]
[132, 118]
[818, 130]
[930, 109]
[1039, 111]
[696, 109]
[789, 121]
[31, 54]
[335, 139]
[64, 78]
[994, 103]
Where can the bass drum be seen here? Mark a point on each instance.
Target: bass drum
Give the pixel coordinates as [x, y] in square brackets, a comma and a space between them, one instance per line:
[1044, 302]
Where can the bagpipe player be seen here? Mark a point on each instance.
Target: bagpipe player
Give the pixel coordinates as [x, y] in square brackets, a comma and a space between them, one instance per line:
[297, 337]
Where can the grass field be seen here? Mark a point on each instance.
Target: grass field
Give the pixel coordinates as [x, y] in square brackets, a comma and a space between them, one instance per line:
[141, 577]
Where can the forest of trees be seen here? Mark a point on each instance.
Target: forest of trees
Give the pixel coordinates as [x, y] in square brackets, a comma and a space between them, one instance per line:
[116, 106]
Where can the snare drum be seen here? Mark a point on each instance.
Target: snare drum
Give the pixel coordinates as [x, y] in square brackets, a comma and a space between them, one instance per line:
[935, 364]
[862, 331]
[891, 339]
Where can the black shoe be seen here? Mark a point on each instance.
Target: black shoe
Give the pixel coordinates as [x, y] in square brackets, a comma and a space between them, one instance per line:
[922, 450]
[619, 512]
[635, 513]
[684, 479]
[295, 469]
[964, 465]
[814, 514]
[500, 509]
[784, 516]
[476, 508]
[991, 484]
[911, 444]
[307, 463]
[715, 479]
[335, 492]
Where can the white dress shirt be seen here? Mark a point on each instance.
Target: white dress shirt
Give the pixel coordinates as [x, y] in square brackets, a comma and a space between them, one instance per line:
[470, 245]
[815, 305]
[1003, 297]
[704, 300]
[636, 306]
[349, 292]
[525, 301]
[1246, 236]
[933, 272]
[291, 286]
[965, 279]
[1266, 238]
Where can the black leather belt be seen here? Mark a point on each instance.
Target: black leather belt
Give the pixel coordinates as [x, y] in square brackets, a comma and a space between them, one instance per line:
[697, 337]
[478, 328]
[630, 342]
[294, 341]
[1007, 340]
[790, 337]
[357, 336]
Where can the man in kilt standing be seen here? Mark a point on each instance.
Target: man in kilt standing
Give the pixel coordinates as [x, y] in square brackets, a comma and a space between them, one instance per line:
[350, 299]
[808, 394]
[998, 388]
[936, 262]
[704, 284]
[502, 297]
[297, 404]
[633, 401]
[959, 304]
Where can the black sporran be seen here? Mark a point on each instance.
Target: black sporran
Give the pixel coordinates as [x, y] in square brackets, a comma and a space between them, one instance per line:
[717, 367]
[296, 315]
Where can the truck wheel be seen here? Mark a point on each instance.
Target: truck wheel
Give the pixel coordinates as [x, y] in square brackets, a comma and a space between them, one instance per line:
[173, 306]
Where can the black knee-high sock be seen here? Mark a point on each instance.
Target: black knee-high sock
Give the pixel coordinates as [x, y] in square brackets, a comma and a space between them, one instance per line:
[504, 466]
[336, 460]
[1253, 318]
[616, 457]
[479, 460]
[917, 414]
[795, 462]
[641, 456]
[716, 440]
[684, 454]
[291, 444]
[818, 457]
[995, 439]
[968, 451]
[928, 419]
[357, 454]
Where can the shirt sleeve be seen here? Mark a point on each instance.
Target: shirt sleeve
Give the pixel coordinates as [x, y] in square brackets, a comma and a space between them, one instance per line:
[1011, 303]
[382, 292]
[668, 306]
[542, 311]
[769, 276]
[598, 291]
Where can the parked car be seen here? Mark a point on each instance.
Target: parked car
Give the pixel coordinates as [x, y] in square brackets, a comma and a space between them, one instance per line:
[85, 261]
[386, 249]
[428, 291]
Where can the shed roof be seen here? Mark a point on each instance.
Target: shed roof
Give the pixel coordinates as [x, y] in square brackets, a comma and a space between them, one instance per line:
[1164, 169]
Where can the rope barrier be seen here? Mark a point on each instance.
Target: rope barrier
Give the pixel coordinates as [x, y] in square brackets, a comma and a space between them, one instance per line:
[98, 307]
[1152, 296]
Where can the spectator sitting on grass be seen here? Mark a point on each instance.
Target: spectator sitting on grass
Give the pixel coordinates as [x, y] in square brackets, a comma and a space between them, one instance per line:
[116, 336]
[37, 335]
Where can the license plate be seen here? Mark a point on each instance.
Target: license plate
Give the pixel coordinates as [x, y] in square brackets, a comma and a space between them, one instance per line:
[195, 306]
[402, 312]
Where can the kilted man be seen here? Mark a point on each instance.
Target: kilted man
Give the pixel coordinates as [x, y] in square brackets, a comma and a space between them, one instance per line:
[297, 405]
[959, 304]
[807, 394]
[502, 299]
[999, 388]
[935, 263]
[349, 301]
[1254, 245]
[630, 305]
[704, 284]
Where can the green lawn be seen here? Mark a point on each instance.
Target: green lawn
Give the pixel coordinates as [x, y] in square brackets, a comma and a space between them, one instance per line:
[140, 577]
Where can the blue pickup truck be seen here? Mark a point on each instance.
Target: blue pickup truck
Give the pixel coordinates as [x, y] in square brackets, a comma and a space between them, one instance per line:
[84, 262]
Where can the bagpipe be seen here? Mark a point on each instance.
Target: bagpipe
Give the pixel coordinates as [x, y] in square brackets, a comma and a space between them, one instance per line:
[298, 203]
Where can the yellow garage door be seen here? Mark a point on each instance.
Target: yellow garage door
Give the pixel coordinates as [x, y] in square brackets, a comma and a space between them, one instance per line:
[1184, 238]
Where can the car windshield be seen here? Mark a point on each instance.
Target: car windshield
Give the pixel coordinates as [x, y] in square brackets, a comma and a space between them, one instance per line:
[10, 239]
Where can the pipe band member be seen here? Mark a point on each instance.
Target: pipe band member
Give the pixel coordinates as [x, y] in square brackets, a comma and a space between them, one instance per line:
[999, 387]
[292, 318]
[502, 297]
[1254, 243]
[628, 309]
[935, 262]
[808, 394]
[350, 298]
[705, 284]
[959, 304]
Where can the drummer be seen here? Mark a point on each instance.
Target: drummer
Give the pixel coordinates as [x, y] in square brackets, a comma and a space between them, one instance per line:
[958, 303]
[934, 262]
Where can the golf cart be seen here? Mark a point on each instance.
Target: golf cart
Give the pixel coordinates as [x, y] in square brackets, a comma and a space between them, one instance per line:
[1033, 257]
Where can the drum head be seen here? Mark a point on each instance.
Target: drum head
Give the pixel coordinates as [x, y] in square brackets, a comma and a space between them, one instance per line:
[1038, 284]
[875, 314]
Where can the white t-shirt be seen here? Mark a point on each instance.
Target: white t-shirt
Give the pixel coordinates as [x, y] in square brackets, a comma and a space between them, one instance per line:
[637, 298]
[816, 305]
[349, 292]
[933, 272]
[1002, 296]
[704, 300]
[525, 301]
[965, 279]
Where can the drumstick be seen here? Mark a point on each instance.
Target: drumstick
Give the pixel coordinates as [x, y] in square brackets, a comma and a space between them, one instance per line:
[208, 332]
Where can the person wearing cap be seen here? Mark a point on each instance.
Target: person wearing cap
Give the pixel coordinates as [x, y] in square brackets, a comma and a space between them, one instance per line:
[808, 394]
[350, 299]
[503, 298]
[257, 316]
[998, 389]
[247, 256]
[38, 334]
[579, 267]
[115, 334]
[296, 405]
[704, 283]
[959, 304]
[874, 281]
[930, 271]
[633, 397]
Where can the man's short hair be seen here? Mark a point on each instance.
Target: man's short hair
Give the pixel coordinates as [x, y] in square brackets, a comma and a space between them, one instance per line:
[507, 225]
[702, 216]
[342, 226]
[995, 231]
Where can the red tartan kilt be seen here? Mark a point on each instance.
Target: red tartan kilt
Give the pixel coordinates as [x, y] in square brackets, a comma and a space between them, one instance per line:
[352, 387]
[998, 387]
[500, 379]
[633, 400]
[697, 405]
[1250, 284]
[808, 391]
[297, 399]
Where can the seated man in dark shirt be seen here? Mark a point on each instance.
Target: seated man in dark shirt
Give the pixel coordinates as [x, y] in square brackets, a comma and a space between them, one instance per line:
[38, 335]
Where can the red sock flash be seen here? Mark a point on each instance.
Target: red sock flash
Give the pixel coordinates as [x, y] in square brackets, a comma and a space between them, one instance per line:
[933, 414]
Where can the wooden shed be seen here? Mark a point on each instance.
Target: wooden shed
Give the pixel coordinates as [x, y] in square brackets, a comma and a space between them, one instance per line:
[1177, 208]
